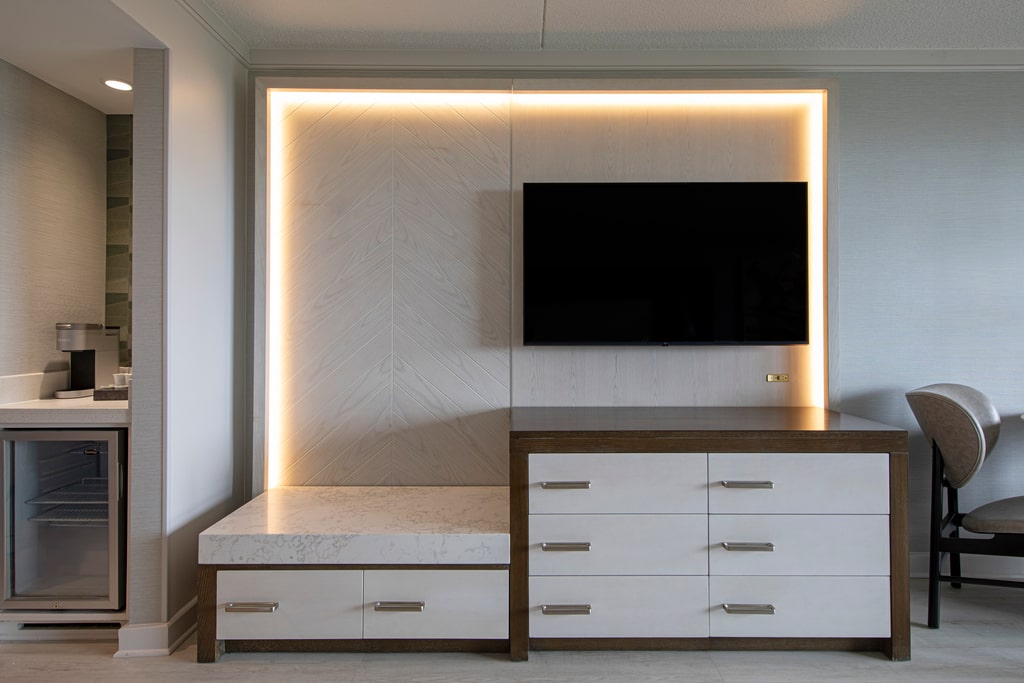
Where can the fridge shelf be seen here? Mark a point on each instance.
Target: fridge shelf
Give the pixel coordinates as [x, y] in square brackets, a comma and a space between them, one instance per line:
[90, 491]
[73, 515]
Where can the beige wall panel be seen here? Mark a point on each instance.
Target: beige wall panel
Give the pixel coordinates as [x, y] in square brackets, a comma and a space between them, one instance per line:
[396, 261]
[336, 294]
[414, 333]
[344, 170]
[330, 420]
[451, 292]
[453, 450]
[415, 304]
[359, 450]
[652, 142]
[313, 350]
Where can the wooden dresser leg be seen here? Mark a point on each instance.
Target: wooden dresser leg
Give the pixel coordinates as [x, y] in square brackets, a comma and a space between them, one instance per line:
[519, 544]
[208, 649]
[899, 557]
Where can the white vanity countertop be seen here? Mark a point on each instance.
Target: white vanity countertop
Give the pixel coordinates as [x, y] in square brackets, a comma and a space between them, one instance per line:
[364, 525]
[65, 412]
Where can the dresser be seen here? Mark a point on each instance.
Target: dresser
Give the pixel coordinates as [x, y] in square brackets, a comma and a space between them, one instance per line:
[698, 528]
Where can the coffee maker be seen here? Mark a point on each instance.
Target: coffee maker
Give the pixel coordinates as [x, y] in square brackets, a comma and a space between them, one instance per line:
[94, 354]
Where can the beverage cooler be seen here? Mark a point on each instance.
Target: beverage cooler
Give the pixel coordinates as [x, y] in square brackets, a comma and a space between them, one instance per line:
[63, 519]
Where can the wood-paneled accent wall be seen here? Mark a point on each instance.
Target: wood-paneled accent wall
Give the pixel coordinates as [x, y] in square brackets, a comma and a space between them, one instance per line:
[401, 337]
[395, 292]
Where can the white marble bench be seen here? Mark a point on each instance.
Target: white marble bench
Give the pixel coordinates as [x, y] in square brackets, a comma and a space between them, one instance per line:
[357, 568]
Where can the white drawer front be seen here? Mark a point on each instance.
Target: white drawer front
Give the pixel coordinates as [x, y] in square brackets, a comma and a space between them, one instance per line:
[816, 483]
[805, 606]
[618, 482]
[800, 544]
[620, 606]
[456, 603]
[618, 544]
[310, 604]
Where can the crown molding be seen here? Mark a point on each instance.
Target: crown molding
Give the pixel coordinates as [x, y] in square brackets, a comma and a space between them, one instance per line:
[219, 29]
[649, 60]
[608, 61]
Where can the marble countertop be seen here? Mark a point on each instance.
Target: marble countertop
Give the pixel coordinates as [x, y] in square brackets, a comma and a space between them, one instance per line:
[65, 412]
[364, 525]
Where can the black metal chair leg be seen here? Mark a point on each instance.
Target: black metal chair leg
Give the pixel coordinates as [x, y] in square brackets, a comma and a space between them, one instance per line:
[954, 564]
[953, 509]
[934, 556]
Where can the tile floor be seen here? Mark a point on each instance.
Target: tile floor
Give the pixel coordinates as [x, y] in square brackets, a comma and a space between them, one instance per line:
[981, 640]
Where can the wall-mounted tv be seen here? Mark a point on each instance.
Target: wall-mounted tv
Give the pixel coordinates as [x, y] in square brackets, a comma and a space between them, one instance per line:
[665, 263]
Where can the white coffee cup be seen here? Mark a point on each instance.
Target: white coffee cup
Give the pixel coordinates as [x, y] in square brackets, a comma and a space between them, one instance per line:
[121, 379]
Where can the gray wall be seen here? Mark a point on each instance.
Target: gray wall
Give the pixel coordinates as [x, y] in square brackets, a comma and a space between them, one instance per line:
[185, 407]
[52, 224]
[931, 252]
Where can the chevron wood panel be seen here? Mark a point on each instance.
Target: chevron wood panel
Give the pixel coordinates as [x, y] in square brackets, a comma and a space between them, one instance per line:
[336, 247]
[452, 303]
[396, 294]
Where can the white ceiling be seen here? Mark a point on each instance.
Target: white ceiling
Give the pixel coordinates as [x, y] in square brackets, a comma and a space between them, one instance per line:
[623, 24]
[74, 44]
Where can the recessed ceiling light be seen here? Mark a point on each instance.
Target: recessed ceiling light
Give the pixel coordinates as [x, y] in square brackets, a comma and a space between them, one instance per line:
[117, 85]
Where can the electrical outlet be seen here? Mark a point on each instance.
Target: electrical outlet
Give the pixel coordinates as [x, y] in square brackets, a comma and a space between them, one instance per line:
[777, 378]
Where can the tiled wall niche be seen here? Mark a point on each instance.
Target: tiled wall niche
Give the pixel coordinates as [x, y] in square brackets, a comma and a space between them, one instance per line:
[119, 231]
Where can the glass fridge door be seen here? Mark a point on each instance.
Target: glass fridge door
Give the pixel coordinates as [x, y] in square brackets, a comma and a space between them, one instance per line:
[63, 519]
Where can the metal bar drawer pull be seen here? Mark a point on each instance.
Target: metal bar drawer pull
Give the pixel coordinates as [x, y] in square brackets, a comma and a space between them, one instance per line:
[733, 484]
[565, 485]
[398, 606]
[733, 546]
[261, 607]
[580, 547]
[582, 610]
[739, 608]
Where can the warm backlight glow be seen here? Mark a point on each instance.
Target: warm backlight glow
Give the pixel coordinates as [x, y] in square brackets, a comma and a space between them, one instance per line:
[817, 372]
[813, 103]
[275, 164]
[282, 98]
[669, 99]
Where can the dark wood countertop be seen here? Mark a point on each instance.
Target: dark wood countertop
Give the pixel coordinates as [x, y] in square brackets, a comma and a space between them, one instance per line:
[666, 421]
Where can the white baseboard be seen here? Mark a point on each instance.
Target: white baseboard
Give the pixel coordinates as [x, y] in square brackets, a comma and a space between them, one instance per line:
[986, 566]
[157, 639]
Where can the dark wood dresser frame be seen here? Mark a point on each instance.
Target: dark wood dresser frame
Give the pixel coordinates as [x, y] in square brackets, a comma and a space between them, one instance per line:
[696, 430]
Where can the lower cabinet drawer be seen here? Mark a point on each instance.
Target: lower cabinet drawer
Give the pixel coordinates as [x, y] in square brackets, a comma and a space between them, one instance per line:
[289, 604]
[803, 606]
[822, 545]
[618, 545]
[618, 606]
[438, 603]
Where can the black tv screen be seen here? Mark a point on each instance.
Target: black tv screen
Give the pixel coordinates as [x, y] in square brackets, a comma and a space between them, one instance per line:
[665, 263]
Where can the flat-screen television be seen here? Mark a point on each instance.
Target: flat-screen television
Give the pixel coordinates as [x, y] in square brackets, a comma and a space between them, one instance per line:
[665, 263]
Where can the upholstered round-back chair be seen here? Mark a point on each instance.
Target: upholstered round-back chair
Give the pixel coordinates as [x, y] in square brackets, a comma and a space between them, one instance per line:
[962, 426]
